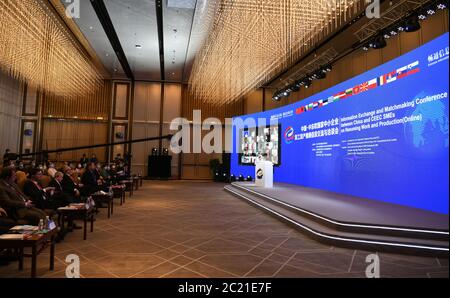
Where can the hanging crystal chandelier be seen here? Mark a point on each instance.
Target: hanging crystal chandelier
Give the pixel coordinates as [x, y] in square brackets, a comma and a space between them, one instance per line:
[37, 49]
[253, 40]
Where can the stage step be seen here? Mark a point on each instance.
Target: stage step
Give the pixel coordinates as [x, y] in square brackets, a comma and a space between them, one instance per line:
[322, 230]
[396, 231]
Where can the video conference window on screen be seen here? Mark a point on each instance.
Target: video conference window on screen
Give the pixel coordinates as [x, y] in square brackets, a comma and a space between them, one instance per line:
[261, 141]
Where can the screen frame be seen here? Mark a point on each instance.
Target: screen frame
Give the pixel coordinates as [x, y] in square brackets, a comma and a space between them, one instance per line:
[258, 128]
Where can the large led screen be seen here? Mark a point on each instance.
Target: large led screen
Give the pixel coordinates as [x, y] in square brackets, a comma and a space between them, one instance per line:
[382, 135]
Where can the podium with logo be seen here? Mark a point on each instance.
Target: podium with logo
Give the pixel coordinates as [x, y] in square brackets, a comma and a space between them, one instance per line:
[264, 174]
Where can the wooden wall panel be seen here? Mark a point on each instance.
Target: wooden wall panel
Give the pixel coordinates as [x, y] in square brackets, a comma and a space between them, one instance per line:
[147, 102]
[146, 120]
[253, 102]
[92, 107]
[172, 102]
[10, 111]
[141, 151]
[121, 100]
[73, 133]
[30, 101]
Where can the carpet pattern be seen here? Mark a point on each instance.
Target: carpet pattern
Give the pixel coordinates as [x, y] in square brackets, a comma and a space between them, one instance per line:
[195, 229]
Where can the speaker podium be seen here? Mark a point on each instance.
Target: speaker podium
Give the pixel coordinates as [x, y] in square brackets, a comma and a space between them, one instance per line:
[264, 174]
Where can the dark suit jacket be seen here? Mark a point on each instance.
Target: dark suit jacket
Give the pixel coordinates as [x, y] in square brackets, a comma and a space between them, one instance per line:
[68, 185]
[38, 196]
[10, 198]
[58, 186]
[89, 180]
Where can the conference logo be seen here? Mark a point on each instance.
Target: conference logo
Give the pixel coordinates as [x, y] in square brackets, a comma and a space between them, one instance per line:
[289, 135]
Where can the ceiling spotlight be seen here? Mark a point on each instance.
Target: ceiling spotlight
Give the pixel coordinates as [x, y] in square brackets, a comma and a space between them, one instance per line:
[422, 16]
[401, 28]
[393, 33]
[442, 5]
[386, 35]
[275, 98]
[431, 11]
[328, 68]
[307, 83]
[285, 93]
[379, 42]
[365, 48]
[412, 24]
[295, 88]
[320, 75]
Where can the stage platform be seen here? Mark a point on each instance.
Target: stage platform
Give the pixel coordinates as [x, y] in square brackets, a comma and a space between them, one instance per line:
[347, 220]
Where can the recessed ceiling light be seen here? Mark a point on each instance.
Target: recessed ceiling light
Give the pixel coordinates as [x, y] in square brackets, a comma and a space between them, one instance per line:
[91, 28]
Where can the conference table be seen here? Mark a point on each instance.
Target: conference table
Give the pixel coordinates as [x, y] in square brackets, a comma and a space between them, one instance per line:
[100, 198]
[37, 241]
[77, 211]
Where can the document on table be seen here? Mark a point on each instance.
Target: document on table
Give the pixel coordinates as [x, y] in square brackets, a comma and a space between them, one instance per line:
[25, 228]
[11, 237]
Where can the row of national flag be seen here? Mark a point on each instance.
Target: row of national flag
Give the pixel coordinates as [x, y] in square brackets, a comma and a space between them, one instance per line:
[388, 78]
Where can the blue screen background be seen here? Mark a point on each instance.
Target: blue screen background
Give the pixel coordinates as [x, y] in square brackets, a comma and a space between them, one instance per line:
[413, 170]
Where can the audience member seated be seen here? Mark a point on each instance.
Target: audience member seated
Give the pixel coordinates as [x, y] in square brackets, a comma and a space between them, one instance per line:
[70, 183]
[93, 159]
[41, 197]
[15, 202]
[84, 161]
[58, 194]
[6, 223]
[51, 171]
[118, 159]
[91, 180]
[9, 158]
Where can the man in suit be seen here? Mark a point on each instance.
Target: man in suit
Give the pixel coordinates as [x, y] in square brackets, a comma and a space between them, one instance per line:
[90, 180]
[68, 184]
[84, 161]
[15, 202]
[5, 222]
[58, 193]
[60, 196]
[41, 197]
